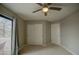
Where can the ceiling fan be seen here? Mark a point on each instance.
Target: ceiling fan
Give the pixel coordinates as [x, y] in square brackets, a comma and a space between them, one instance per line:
[45, 8]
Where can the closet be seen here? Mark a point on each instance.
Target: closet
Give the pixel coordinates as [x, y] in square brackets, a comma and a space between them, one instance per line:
[38, 33]
[35, 34]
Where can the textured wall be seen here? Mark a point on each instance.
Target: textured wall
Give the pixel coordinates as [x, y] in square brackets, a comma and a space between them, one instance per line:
[48, 32]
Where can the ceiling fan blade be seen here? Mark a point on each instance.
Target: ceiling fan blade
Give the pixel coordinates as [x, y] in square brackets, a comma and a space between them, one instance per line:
[49, 3]
[40, 4]
[55, 8]
[37, 10]
[45, 13]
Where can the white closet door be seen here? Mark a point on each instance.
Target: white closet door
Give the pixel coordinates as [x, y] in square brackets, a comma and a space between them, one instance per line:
[34, 34]
[55, 33]
[30, 29]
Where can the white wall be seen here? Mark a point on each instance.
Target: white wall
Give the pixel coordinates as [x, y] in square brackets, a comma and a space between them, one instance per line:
[70, 33]
[55, 33]
[48, 33]
[34, 34]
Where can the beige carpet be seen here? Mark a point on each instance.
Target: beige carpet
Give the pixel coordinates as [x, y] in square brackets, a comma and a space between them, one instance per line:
[48, 50]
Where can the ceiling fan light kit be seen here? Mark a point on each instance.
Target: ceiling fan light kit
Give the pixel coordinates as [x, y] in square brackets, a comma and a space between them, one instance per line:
[46, 8]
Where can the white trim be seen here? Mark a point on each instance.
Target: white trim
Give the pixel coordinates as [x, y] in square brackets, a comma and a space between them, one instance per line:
[56, 43]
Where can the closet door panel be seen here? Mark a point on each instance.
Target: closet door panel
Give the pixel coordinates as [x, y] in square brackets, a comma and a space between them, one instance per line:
[34, 34]
[30, 36]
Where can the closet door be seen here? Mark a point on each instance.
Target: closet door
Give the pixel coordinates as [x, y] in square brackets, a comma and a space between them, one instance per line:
[55, 33]
[30, 36]
[34, 34]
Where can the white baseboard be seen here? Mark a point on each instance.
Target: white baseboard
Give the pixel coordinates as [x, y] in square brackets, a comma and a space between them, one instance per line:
[56, 44]
[68, 50]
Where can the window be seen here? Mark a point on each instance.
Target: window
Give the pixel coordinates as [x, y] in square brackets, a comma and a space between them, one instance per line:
[5, 28]
[5, 35]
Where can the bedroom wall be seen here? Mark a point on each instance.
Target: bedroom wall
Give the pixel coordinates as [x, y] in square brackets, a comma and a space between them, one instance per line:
[20, 22]
[48, 32]
[70, 33]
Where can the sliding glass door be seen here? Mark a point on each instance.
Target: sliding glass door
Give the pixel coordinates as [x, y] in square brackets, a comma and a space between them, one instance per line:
[7, 36]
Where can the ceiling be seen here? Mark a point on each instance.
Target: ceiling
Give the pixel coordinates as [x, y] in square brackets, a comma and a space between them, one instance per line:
[24, 10]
